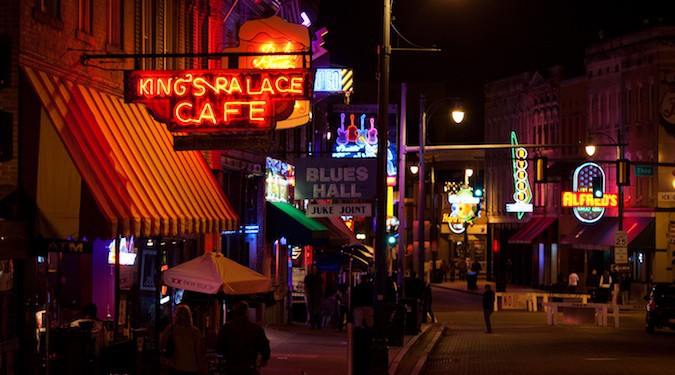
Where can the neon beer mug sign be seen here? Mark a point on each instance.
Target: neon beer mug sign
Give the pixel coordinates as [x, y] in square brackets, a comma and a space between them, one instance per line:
[218, 100]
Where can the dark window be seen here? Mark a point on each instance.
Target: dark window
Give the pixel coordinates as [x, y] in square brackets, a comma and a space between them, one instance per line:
[84, 16]
[115, 26]
[50, 7]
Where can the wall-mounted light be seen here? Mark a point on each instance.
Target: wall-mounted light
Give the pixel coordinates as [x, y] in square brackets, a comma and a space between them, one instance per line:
[414, 169]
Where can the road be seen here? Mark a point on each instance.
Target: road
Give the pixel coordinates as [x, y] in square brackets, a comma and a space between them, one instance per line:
[523, 344]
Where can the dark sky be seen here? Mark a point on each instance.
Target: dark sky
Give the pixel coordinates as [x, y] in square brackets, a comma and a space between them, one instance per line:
[481, 40]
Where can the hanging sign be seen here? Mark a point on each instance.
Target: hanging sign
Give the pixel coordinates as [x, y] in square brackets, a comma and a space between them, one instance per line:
[587, 208]
[523, 192]
[328, 178]
[339, 209]
[464, 210]
[218, 100]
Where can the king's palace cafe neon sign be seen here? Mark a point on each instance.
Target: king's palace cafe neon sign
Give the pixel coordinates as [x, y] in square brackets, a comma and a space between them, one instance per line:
[218, 100]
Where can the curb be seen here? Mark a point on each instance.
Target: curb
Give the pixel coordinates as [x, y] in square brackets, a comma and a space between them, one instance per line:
[393, 367]
[422, 361]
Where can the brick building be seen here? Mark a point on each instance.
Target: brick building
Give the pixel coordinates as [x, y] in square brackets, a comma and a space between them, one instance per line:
[622, 103]
[82, 169]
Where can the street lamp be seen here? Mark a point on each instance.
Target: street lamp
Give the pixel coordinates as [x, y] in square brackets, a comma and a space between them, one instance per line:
[425, 113]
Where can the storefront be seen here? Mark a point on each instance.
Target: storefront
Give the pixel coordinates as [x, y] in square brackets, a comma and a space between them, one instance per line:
[115, 205]
[539, 237]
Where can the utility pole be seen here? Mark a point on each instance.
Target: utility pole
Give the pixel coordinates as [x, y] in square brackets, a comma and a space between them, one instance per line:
[379, 357]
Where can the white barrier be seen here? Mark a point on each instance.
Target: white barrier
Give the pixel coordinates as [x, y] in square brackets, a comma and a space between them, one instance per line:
[530, 300]
[600, 311]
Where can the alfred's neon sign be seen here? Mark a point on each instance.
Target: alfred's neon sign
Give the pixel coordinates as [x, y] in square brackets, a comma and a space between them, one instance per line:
[218, 101]
[587, 208]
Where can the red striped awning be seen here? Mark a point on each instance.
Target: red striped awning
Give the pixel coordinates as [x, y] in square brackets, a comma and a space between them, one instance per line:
[141, 185]
[536, 226]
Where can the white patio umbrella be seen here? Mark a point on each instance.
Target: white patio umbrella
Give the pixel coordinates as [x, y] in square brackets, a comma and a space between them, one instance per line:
[212, 273]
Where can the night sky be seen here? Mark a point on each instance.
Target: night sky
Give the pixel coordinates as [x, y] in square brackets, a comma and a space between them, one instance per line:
[481, 40]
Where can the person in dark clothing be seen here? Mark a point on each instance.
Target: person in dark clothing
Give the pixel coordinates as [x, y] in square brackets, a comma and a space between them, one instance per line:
[488, 306]
[362, 302]
[476, 267]
[241, 342]
[314, 295]
[342, 296]
[427, 302]
[413, 287]
[592, 282]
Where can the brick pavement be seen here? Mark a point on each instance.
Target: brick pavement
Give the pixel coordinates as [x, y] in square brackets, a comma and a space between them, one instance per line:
[523, 344]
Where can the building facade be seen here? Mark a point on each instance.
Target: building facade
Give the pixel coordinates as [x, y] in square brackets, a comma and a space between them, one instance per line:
[90, 186]
[622, 105]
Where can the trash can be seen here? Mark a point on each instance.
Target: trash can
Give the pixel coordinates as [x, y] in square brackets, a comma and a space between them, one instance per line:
[471, 281]
[396, 315]
[413, 315]
[361, 350]
[437, 276]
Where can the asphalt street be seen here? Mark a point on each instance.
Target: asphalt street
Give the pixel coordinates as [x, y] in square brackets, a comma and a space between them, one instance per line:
[522, 343]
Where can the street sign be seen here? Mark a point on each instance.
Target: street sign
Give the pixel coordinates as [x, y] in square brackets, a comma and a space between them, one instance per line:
[620, 267]
[643, 170]
[620, 238]
[620, 254]
[339, 209]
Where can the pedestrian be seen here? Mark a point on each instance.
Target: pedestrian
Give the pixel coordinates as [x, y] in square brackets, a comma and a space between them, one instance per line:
[625, 289]
[343, 305]
[427, 303]
[572, 282]
[560, 283]
[462, 268]
[362, 302]
[413, 287]
[453, 269]
[314, 296]
[90, 323]
[605, 286]
[592, 281]
[476, 267]
[488, 306]
[445, 268]
[243, 343]
[183, 345]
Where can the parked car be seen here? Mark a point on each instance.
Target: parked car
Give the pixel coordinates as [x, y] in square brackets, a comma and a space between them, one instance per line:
[660, 307]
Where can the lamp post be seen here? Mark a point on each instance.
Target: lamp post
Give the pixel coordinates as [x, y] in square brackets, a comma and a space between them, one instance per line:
[425, 113]
[621, 172]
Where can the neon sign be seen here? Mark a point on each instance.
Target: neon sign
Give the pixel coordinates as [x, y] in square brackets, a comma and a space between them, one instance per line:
[218, 100]
[586, 207]
[523, 192]
[333, 80]
[464, 209]
[279, 181]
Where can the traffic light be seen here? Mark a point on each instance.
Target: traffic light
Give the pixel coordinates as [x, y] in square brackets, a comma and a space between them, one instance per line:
[598, 188]
[478, 191]
[622, 172]
[392, 238]
[540, 169]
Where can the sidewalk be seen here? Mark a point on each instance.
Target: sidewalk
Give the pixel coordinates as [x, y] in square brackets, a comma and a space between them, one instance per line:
[298, 350]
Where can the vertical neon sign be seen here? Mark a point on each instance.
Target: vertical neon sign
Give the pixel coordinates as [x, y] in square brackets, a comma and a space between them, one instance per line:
[523, 192]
